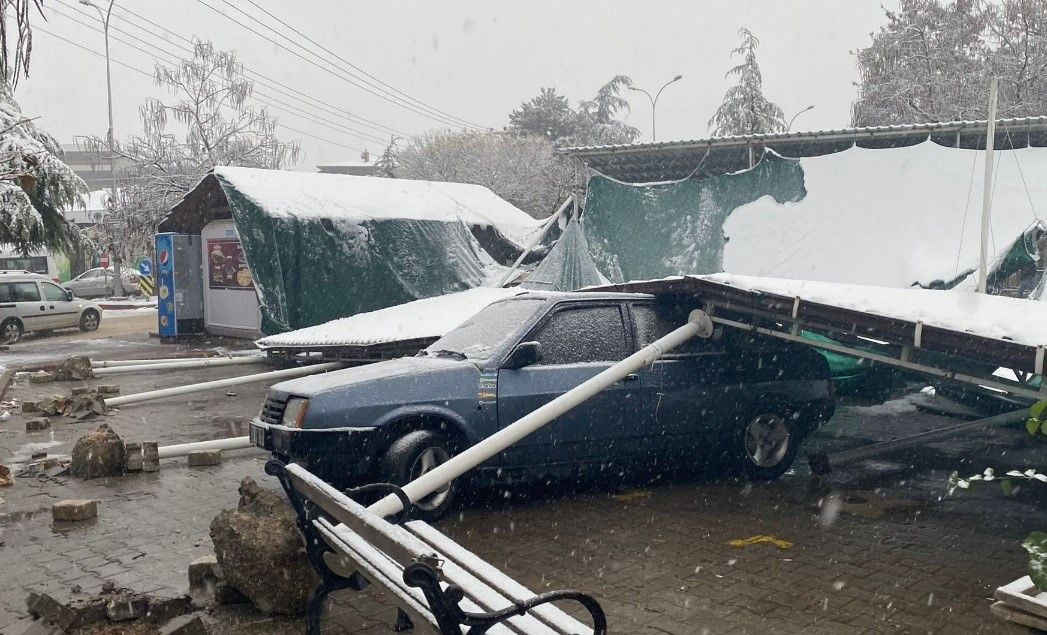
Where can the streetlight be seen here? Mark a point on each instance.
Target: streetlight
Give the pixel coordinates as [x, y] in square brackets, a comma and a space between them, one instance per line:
[790, 126]
[118, 287]
[654, 101]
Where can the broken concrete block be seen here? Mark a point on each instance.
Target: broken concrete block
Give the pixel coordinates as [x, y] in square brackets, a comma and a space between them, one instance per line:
[109, 390]
[191, 624]
[150, 456]
[203, 569]
[126, 607]
[5, 477]
[76, 510]
[41, 377]
[133, 457]
[84, 405]
[48, 609]
[76, 368]
[98, 454]
[202, 458]
[53, 405]
[29, 406]
[80, 390]
[161, 608]
[36, 425]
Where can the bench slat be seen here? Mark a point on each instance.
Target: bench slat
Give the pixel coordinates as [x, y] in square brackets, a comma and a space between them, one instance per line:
[402, 546]
[552, 615]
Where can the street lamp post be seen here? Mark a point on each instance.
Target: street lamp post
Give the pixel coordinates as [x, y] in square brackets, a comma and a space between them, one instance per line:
[118, 287]
[654, 102]
[790, 126]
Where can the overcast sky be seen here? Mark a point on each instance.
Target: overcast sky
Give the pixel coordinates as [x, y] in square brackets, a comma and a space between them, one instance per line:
[474, 59]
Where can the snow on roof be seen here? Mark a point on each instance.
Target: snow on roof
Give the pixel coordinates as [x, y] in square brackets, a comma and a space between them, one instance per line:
[1021, 320]
[360, 198]
[351, 163]
[888, 217]
[430, 317]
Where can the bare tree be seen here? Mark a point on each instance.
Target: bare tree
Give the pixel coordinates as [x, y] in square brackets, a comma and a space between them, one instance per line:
[215, 127]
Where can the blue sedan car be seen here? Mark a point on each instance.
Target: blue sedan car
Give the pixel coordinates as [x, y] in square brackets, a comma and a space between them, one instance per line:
[750, 399]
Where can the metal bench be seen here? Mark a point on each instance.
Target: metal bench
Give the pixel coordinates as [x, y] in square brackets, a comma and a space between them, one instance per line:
[437, 585]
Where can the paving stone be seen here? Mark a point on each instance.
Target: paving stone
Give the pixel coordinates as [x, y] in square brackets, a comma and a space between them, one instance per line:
[74, 510]
[37, 425]
[204, 458]
[133, 460]
[150, 456]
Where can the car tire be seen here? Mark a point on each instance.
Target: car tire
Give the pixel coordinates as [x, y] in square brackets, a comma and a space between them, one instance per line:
[412, 455]
[765, 443]
[89, 320]
[10, 331]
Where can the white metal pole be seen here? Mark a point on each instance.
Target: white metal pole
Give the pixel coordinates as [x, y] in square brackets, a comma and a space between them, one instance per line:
[111, 363]
[181, 449]
[299, 371]
[542, 231]
[698, 324]
[185, 364]
[990, 134]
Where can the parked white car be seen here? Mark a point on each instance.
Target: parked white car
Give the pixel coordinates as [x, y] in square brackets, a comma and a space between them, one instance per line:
[98, 283]
[31, 302]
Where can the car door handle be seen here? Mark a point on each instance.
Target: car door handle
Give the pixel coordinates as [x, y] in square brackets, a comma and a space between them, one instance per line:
[50, 306]
[43, 308]
[630, 377]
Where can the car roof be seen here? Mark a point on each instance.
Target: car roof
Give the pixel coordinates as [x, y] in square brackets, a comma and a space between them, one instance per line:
[581, 295]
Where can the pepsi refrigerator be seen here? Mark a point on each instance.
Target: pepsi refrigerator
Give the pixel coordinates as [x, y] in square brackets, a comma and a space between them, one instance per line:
[179, 284]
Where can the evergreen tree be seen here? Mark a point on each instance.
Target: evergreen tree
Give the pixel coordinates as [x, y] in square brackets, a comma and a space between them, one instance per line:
[594, 122]
[549, 115]
[745, 110]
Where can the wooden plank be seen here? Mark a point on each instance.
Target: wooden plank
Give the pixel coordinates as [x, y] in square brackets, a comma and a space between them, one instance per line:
[547, 613]
[1018, 616]
[1022, 594]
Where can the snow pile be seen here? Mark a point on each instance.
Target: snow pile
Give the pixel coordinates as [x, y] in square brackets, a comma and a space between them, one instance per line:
[429, 317]
[992, 316]
[361, 198]
[888, 217]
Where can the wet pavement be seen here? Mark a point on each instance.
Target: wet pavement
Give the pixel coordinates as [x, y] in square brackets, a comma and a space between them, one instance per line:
[889, 553]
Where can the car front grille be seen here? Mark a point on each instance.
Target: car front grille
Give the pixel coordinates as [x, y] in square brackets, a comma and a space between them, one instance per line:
[272, 410]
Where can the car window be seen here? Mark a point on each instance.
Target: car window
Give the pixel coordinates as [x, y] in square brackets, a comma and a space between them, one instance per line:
[90, 275]
[53, 291]
[21, 292]
[654, 321]
[585, 334]
[482, 335]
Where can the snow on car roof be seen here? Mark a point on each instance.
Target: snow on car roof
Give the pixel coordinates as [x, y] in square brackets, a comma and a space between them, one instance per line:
[359, 198]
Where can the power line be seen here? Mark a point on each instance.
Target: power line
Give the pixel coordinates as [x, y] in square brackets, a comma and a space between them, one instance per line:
[148, 74]
[302, 97]
[344, 77]
[357, 68]
[260, 97]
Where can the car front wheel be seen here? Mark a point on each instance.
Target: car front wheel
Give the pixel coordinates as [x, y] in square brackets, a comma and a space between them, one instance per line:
[10, 332]
[89, 321]
[411, 456]
[765, 445]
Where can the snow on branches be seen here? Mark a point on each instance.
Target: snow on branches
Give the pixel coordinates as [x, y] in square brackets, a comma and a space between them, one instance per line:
[745, 110]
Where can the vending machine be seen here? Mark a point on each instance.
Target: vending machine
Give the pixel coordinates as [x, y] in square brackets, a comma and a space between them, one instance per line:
[179, 289]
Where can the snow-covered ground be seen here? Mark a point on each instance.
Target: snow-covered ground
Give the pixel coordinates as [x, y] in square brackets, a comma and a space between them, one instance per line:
[888, 217]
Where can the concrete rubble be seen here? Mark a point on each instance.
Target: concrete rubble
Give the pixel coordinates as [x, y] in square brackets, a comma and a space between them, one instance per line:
[98, 454]
[204, 458]
[261, 553]
[76, 510]
[38, 424]
[208, 586]
[113, 610]
[76, 368]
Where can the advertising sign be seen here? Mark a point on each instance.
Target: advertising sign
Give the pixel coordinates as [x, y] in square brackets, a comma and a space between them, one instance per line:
[227, 265]
[167, 323]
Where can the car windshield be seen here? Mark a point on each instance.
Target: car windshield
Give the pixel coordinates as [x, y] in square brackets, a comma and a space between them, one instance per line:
[482, 335]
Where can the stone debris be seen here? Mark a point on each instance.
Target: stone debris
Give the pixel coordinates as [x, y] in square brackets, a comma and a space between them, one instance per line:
[37, 425]
[41, 377]
[109, 390]
[112, 611]
[191, 624]
[84, 405]
[75, 368]
[5, 477]
[133, 457]
[29, 407]
[77, 510]
[98, 454]
[204, 458]
[126, 607]
[207, 586]
[261, 554]
[150, 456]
[80, 390]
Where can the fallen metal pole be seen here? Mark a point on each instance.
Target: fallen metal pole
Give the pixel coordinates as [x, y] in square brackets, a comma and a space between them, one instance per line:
[542, 231]
[823, 463]
[181, 449]
[194, 363]
[299, 371]
[112, 363]
[698, 324]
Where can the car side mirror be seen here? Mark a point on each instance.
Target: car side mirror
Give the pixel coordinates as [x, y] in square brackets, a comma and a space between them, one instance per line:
[525, 354]
[68, 295]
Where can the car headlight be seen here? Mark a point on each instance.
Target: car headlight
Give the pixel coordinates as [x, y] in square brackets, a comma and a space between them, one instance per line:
[294, 412]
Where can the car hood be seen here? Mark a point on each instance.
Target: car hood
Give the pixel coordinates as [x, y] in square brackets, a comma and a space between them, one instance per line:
[339, 380]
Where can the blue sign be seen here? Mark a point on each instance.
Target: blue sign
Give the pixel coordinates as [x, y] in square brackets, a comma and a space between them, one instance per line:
[165, 302]
[145, 267]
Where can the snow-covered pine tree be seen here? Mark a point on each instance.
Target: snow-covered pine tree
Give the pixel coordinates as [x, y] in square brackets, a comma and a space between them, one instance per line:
[549, 114]
[745, 110]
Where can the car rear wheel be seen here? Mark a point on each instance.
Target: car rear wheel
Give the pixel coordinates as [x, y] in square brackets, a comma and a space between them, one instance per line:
[10, 331]
[414, 454]
[765, 444]
[89, 321]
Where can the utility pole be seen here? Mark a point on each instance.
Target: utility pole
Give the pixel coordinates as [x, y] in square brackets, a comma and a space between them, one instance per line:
[654, 102]
[990, 138]
[118, 286]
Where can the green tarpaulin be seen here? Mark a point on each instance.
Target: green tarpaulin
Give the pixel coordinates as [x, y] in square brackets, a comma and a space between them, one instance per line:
[653, 230]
